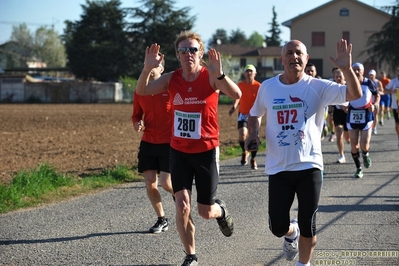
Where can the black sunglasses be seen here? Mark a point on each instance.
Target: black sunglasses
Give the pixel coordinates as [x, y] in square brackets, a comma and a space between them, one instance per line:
[185, 50]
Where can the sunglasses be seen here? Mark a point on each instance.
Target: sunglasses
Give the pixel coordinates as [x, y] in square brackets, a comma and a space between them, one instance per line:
[185, 50]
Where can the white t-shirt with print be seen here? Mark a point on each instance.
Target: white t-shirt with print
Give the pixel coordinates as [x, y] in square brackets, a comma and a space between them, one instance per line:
[393, 86]
[294, 121]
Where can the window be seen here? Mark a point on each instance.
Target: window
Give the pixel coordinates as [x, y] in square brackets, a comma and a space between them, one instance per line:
[344, 12]
[243, 62]
[345, 36]
[318, 38]
[277, 64]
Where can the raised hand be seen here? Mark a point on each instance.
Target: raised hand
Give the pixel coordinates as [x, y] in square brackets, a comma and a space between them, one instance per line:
[151, 59]
[214, 65]
[343, 59]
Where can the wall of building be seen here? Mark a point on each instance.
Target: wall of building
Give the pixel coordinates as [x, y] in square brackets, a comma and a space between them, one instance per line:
[361, 23]
[14, 89]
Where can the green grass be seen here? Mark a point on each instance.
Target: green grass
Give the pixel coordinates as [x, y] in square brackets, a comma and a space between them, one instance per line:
[45, 184]
[224, 99]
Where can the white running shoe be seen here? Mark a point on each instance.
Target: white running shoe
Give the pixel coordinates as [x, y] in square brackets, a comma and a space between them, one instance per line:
[341, 159]
[290, 247]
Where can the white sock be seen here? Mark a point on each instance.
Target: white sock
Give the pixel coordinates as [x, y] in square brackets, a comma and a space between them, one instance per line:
[301, 264]
[294, 235]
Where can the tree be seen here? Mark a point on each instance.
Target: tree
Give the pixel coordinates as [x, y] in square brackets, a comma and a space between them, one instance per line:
[274, 39]
[45, 46]
[156, 21]
[238, 37]
[22, 45]
[255, 40]
[220, 37]
[97, 45]
[49, 48]
[384, 45]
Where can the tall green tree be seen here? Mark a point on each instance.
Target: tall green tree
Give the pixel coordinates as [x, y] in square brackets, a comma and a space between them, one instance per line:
[274, 38]
[97, 45]
[49, 48]
[255, 40]
[219, 37]
[238, 37]
[157, 21]
[384, 45]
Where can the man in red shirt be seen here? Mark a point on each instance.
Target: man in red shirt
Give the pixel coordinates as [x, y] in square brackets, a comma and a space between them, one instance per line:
[152, 115]
[194, 92]
[249, 89]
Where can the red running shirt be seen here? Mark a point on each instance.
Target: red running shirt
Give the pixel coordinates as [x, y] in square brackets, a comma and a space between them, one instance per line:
[249, 92]
[195, 108]
[155, 111]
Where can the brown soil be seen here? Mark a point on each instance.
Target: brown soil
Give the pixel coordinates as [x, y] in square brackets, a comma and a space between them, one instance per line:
[76, 138]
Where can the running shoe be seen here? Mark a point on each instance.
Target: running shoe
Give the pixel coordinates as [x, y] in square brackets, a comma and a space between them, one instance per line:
[332, 138]
[290, 246]
[341, 159]
[381, 122]
[254, 165]
[366, 161]
[161, 225]
[375, 131]
[244, 158]
[359, 173]
[190, 261]
[226, 224]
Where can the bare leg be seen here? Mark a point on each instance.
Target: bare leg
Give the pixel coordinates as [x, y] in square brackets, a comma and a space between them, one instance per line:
[354, 138]
[306, 247]
[209, 211]
[340, 139]
[365, 137]
[151, 184]
[184, 221]
[165, 181]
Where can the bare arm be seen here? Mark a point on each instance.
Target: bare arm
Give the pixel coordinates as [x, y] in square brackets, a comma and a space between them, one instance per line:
[377, 100]
[343, 61]
[226, 85]
[235, 105]
[253, 129]
[144, 86]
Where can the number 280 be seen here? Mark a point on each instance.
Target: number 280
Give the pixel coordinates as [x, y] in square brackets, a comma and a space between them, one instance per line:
[287, 116]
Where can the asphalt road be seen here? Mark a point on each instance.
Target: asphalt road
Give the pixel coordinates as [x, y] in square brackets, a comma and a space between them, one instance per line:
[357, 222]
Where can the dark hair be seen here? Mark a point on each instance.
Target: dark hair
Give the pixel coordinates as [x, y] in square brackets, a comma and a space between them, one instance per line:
[310, 65]
[333, 69]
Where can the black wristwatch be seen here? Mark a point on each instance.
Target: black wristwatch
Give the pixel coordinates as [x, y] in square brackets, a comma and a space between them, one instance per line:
[221, 77]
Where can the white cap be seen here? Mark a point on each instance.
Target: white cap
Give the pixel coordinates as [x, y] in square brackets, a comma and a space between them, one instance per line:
[359, 65]
[372, 72]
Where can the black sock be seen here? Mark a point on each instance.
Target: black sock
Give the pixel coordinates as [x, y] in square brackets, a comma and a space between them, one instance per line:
[242, 146]
[193, 256]
[355, 157]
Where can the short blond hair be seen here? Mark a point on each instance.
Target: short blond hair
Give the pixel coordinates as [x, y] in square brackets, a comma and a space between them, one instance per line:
[186, 34]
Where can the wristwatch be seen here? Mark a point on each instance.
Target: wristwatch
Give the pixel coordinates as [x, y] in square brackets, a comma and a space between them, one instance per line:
[221, 77]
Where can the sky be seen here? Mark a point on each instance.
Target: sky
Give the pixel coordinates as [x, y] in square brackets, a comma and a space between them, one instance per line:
[251, 16]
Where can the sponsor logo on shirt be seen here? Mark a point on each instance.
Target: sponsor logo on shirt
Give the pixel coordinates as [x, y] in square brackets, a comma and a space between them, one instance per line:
[187, 101]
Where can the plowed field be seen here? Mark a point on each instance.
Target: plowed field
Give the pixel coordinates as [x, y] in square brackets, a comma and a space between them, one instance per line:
[76, 138]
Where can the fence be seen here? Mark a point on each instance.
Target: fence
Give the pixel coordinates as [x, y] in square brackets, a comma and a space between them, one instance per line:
[15, 90]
